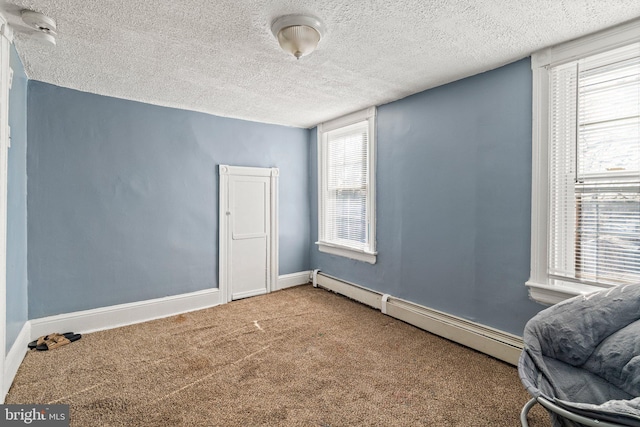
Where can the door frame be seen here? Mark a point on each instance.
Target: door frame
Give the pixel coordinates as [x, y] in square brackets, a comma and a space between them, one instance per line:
[224, 230]
[6, 39]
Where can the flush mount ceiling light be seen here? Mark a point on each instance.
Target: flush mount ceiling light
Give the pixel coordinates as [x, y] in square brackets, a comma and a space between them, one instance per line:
[298, 34]
[45, 26]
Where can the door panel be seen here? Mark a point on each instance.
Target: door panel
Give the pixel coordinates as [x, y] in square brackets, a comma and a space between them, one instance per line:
[249, 267]
[249, 216]
[249, 206]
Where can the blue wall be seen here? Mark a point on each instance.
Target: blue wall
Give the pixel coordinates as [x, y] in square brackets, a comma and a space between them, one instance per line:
[453, 200]
[17, 204]
[123, 197]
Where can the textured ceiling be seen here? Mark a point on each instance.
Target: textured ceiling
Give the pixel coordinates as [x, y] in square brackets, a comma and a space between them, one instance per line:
[220, 57]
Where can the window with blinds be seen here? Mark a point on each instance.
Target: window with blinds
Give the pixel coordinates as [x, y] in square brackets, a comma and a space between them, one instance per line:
[345, 193]
[594, 169]
[346, 187]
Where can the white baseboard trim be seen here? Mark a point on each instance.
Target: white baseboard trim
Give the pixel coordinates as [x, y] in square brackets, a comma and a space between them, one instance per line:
[494, 342]
[15, 357]
[115, 316]
[356, 292]
[293, 279]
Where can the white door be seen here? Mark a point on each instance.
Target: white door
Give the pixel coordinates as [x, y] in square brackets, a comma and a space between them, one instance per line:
[249, 226]
[248, 231]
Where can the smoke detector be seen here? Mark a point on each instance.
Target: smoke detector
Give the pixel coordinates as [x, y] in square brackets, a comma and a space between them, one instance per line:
[45, 26]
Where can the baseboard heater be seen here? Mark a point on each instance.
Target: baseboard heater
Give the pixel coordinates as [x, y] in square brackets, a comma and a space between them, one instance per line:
[496, 343]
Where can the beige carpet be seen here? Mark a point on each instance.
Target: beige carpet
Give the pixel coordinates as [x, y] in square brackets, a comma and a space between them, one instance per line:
[298, 357]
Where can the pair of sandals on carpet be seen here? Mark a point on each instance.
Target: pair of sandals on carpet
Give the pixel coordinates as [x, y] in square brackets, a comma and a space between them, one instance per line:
[52, 341]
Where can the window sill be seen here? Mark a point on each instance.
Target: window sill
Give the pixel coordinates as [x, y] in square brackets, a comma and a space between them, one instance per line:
[347, 252]
[553, 294]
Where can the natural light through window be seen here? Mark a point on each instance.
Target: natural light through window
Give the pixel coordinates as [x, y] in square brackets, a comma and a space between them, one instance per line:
[346, 186]
[592, 200]
[595, 171]
[346, 190]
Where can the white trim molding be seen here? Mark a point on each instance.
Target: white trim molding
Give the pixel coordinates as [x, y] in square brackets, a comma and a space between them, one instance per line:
[558, 292]
[494, 342]
[15, 357]
[115, 316]
[6, 36]
[100, 319]
[223, 231]
[293, 279]
[349, 119]
[275, 239]
[541, 288]
[346, 252]
[5, 29]
[592, 44]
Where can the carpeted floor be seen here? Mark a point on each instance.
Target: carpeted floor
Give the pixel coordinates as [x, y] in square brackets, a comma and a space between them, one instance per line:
[298, 357]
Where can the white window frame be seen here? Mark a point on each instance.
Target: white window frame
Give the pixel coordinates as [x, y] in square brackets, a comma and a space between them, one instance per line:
[540, 287]
[370, 254]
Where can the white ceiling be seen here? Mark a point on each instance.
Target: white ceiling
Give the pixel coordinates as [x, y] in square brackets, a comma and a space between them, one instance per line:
[219, 56]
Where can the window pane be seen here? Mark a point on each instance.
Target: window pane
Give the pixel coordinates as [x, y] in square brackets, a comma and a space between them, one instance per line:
[349, 216]
[608, 120]
[607, 188]
[609, 147]
[346, 189]
[594, 169]
[608, 234]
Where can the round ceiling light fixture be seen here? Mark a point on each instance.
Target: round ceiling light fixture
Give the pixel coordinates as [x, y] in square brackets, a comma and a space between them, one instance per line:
[44, 25]
[298, 34]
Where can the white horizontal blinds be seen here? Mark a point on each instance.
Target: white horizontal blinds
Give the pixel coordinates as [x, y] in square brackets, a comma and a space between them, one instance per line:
[562, 170]
[606, 188]
[608, 181]
[609, 93]
[346, 188]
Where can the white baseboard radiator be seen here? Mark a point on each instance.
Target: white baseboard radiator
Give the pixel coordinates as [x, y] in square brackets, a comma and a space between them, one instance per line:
[494, 342]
